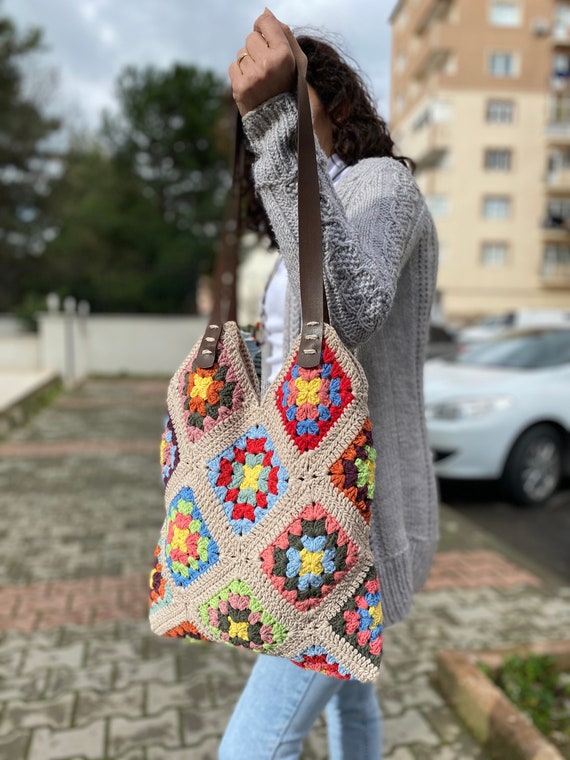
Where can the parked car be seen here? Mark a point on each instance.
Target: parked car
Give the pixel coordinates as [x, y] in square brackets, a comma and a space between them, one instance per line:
[501, 410]
[500, 324]
[441, 342]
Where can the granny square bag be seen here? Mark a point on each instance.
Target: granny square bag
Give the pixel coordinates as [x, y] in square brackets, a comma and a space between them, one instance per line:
[265, 542]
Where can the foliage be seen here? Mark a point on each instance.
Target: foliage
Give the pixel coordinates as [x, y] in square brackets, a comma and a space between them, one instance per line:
[537, 688]
[26, 170]
[138, 215]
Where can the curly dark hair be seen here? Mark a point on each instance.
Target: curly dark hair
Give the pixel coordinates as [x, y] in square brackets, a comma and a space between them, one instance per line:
[358, 130]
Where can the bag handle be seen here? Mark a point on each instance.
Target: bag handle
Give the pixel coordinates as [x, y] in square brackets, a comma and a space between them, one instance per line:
[310, 241]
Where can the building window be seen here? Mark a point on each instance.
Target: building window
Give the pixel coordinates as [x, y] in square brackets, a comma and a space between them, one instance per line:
[556, 260]
[498, 160]
[502, 65]
[559, 110]
[500, 111]
[504, 13]
[559, 160]
[558, 213]
[496, 207]
[494, 254]
[438, 205]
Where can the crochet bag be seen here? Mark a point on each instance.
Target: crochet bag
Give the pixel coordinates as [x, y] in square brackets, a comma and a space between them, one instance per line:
[265, 543]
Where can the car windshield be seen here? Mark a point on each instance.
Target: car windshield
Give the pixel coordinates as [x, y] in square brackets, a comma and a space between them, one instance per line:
[529, 350]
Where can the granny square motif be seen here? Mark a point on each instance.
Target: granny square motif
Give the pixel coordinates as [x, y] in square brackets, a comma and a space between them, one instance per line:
[265, 541]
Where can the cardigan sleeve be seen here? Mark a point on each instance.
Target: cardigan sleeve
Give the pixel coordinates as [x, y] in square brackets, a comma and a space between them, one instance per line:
[367, 238]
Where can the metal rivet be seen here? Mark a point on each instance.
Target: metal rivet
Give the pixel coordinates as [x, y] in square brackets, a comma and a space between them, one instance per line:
[214, 327]
[311, 337]
[309, 351]
[210, 340]
[312, 324]
[207, 351]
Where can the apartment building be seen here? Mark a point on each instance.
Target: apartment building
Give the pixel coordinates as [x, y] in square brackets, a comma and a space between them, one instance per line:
[480, 99]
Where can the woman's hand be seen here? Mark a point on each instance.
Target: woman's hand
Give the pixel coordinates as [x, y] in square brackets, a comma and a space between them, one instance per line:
[265, 66]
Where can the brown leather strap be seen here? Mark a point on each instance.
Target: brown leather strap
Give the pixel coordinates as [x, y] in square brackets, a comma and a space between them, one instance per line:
[310, 235]
[310, 242]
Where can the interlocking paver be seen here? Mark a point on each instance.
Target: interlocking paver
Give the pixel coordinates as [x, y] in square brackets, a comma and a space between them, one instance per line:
[83, 678]
[56, 714]
[409, 728]
[162, 730]
[91, 705]
[89, 742]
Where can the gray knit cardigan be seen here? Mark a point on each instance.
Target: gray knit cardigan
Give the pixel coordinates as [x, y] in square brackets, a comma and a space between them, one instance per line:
[380, 263]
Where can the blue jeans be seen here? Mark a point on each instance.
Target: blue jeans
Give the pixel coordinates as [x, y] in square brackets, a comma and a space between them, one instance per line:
[280, 704]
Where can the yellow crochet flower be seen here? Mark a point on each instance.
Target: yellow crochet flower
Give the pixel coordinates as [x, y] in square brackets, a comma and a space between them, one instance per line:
[201, 385]
[308, 392]
[311, 562]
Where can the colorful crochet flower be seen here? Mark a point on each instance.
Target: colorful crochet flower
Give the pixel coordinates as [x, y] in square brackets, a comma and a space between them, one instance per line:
[209, 395]
[311, 400]
[189, 547]
[361, 621]
[317, 658]
[353, 474]
[169, 455]
[309, 558]
[248, 479]
[160, 594]
[185, 631]
[235, 616]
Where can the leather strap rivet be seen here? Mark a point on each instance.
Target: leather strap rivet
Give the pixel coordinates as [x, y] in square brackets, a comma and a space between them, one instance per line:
[213, 327]
[209, 339]
[207, 351]
[311, 337]
[309, 351]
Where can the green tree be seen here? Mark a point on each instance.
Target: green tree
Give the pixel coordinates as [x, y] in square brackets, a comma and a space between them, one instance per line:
[139, 215]
[26, 170]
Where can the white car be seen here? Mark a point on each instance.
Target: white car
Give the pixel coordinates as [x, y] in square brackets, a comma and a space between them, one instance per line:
[501, 410]
[501, 324]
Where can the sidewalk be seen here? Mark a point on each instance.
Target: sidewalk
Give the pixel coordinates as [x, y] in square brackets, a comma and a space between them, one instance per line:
[82, 677]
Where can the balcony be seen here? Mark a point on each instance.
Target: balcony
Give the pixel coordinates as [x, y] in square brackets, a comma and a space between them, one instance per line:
[558, 131]
[429, 145]
[437, 49]
[559, 179]
[434, 10]
[555, 274]
[560, 34]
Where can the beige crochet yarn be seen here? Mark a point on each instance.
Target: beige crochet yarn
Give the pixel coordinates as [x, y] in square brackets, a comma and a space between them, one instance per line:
[265, 543]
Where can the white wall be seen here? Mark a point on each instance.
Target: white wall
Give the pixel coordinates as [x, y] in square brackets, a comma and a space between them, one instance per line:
[103, 344]
[20, 352]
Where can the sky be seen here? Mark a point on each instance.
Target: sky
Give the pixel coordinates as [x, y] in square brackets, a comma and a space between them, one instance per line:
[90, 41]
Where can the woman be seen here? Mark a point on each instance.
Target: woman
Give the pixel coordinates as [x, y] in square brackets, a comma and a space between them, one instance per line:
[380, 259]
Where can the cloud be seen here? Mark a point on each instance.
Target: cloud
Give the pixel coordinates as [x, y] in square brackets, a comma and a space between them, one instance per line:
[91, 41]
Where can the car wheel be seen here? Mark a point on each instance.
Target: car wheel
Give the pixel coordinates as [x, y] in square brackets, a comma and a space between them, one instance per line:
[534, 466]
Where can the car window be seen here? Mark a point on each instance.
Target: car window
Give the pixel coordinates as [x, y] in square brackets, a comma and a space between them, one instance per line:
[523, 351]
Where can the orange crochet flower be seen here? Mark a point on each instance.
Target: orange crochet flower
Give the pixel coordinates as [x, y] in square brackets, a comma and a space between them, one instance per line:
[202, 389]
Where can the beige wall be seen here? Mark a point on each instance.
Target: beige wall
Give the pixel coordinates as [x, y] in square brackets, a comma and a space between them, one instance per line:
[462, 83]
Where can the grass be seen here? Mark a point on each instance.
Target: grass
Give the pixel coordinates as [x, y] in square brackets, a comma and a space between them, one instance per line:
[539, 690]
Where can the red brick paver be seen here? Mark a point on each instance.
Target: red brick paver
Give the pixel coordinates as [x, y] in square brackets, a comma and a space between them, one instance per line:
[84, 602]
[104, 599]
[474, 569]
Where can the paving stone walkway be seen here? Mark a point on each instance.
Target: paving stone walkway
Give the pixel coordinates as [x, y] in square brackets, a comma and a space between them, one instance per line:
[82, 677]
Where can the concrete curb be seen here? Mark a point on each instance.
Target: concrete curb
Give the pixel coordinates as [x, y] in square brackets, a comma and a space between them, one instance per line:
[484, 708]
[18, 406]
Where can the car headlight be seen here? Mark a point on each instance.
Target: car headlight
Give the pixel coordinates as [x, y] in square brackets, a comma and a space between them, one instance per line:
[465, 408]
